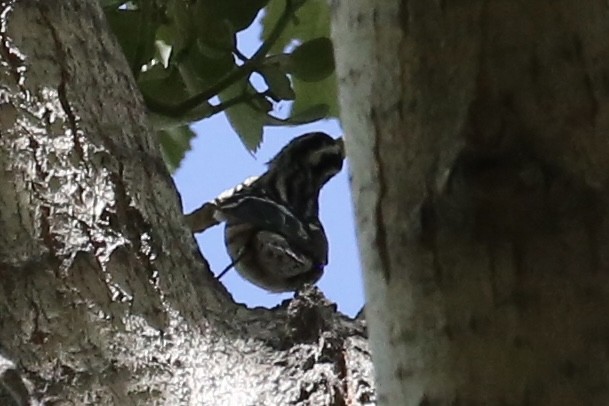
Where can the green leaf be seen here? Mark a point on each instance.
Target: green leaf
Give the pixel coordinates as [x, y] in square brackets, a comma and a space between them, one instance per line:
[135, 31]
[173, 37]
[179, 31]
[245, 119]
[213, 28]
[217, 21]
[175, 142]
[239, 13]
[242, 13]
[199, 71]
[313, 60]
[162, 84]
[278, 82]
[309, 94]
[313, 21]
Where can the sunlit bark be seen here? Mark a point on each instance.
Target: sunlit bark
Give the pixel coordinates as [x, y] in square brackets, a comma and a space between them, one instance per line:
[104, 296]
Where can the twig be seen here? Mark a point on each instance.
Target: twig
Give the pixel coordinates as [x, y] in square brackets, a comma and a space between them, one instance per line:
[245, 97]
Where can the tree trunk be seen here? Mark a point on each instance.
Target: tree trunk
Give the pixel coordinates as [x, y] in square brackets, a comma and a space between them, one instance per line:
[104, 297]
[478, 138]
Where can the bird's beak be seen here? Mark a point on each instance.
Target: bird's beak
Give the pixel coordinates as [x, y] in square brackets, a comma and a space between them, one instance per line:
[341, 144]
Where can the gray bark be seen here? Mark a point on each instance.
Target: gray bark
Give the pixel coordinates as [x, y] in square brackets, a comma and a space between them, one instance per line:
[104, 296]
[478, 139]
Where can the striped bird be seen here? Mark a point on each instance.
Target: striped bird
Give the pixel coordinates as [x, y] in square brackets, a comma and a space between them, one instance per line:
[273, 233]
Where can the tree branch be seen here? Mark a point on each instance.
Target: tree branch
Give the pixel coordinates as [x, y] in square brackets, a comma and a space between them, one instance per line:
[243, 71]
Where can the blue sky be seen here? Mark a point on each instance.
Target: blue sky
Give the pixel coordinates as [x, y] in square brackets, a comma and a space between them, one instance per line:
[218, 161]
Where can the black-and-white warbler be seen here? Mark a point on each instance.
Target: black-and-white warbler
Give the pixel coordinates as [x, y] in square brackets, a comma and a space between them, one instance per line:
[273, 233]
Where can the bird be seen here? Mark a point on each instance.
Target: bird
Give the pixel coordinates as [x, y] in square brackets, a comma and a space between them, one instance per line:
[273, 233]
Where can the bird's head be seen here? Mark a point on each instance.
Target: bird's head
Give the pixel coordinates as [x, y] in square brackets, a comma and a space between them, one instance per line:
[316, 156]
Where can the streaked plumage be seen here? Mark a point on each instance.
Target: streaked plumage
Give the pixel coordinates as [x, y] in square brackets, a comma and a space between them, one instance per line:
[273, 233]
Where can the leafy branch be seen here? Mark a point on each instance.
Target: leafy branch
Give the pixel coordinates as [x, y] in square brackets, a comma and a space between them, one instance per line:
[184, 54]
[249, 66]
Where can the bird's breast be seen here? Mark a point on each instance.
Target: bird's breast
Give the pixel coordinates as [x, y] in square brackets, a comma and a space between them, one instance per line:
[268, 260]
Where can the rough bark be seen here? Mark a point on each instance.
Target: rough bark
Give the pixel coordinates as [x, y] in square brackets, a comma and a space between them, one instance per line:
[104, 296]
[478, 138]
